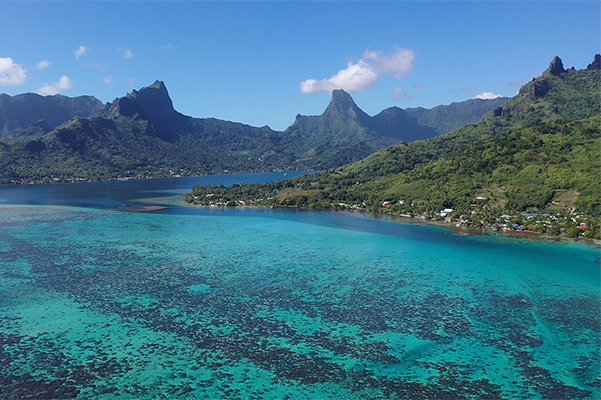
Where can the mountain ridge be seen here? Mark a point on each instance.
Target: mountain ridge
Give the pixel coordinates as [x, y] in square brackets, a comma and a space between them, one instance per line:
[142, 135]
[344, 120]
[18, 113]
[542, 150]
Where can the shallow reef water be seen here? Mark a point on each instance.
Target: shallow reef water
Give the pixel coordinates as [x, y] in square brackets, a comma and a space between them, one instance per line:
[109, 304]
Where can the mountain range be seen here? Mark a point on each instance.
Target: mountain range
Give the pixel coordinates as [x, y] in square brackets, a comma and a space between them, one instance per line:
[56, 138]
[540, 149]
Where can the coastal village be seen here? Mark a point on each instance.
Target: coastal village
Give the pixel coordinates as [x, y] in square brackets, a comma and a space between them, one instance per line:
[567, 223]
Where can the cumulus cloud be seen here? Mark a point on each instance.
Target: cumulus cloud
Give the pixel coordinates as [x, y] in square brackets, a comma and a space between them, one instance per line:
[109, 80]
[398, 94]
[399, 63]
[355, 78]
[127, 53]
[131, 82]
[418, 85]
[64, 83]
[43, 64]
[487, 96]
[11, 73]
[81, 51]
[365, 73]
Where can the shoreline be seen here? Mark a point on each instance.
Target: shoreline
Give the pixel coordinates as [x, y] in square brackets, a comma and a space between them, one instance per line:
[460, 230]
[136, 178]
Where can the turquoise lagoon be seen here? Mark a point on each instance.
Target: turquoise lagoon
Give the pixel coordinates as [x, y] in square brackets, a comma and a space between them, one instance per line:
[197, 303]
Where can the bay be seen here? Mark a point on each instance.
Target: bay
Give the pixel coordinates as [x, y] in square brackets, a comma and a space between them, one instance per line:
[100, 298]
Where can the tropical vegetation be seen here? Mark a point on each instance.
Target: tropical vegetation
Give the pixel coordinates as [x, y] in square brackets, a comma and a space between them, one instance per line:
[539, 155]
[141, 135]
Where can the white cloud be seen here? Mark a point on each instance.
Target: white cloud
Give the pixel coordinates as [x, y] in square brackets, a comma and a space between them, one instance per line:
[487, 96]
[398, 94]
[81, 51]
[127, 53]
[131, 82]
[43, 64]
[64, 83]
[399, 63]
[11, 73]
[355, 78]
[109, 80]
[365, 73]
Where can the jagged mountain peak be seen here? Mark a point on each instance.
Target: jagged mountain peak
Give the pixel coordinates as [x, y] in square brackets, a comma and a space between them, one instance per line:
[154, 98]
[339, 96]
[596, 64]
[341, 100]
[555, 67]
[343, 105]
[343, 120]
[158, 85]
[557, 78]
[151, 103]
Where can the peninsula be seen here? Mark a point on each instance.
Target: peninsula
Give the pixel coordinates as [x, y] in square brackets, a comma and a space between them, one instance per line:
[534, 164]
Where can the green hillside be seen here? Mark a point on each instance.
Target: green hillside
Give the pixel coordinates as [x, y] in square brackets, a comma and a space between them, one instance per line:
[444, 119]
[141, 135]
[526, 168]
[344, 132]
[31, 115]
[537, 152]
[90, 149]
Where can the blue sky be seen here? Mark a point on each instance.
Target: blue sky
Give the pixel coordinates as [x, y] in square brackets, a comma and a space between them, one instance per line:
[261, 63]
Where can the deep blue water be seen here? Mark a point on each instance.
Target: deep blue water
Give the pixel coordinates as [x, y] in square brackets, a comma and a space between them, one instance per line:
[98, 302]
